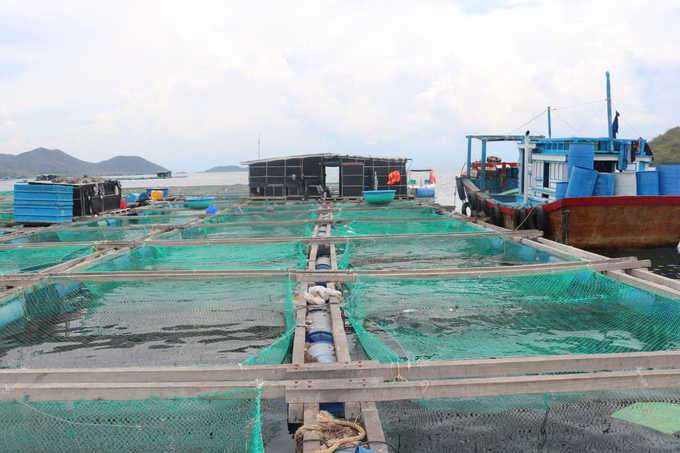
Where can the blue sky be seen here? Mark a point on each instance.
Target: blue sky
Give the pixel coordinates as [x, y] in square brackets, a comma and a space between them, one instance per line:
[190, 85]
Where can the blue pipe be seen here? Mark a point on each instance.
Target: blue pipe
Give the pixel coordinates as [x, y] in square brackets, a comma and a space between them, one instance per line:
[482, 184]
[469, 156]
[609, 115]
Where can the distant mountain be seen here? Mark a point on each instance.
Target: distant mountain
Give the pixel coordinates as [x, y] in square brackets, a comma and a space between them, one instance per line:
[225, 169]
[54, 161]
[666, 147]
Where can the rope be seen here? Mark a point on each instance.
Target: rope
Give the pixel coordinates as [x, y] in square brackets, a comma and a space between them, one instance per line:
[577, 105]
[627, 124]
[527, 123]
[566, 123]
[325, 422]
[591, 118]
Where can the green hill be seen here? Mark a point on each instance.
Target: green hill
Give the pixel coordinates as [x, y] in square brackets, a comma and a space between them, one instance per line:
[54, 161]
[666, 147]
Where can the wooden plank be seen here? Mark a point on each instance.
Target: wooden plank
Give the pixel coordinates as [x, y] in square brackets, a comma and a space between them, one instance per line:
[374, 431]
[651, 286]
[326, 392]
[645, 274]
[353, 370]
[311, 411]
[504, 366]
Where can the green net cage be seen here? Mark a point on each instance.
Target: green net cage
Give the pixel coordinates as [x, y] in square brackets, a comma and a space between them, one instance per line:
[438, 252]
[161, 322]
[569, 312]
[286, 255]
[275, 207]
[134, 220]
[34, 259]
[415, 213]
[220, 422]
[284, 216]
[80, 235]
[236, 231]
[366, 228]
[603, 421]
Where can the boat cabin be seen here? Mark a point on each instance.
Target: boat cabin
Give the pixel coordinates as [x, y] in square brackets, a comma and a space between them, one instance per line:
[164, 174]
[338, 176]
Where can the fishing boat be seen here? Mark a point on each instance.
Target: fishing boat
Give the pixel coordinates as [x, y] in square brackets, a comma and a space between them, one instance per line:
[596, 193]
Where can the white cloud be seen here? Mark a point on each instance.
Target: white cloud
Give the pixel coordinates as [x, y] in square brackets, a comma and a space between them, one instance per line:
[191, 85]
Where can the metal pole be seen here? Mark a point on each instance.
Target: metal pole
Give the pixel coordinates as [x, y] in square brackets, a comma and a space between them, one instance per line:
[609, 114]
[469, 155]
[549, 124]
[482, 184]
[526, 168]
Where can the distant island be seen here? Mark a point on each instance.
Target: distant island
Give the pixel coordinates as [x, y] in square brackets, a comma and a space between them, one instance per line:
[666, 147]
[225, 169]
[54, 161]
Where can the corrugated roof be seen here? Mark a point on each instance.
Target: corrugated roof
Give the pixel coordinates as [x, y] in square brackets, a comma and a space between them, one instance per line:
[328, 155]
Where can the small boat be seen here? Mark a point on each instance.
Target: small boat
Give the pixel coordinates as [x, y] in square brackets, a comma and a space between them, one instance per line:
[421, 183]
[596, 193]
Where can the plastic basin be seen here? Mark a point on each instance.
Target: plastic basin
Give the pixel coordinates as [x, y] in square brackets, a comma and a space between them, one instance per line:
[200, 203]
[379, 196]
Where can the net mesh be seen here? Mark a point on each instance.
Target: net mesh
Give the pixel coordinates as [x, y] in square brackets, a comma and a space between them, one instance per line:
[435, 252]
[284, 216]
[569, 312]
[276, 208]
[417, 213]
[229, 421]
[239, 231]
[134, 220]
[34, 259]
[564, 422]
[169, 322]
[364, 228]
[286, 255]
[81, 235]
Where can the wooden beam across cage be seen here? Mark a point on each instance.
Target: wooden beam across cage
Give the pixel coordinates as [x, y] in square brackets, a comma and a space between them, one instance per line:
[352, 390]
[441, 369]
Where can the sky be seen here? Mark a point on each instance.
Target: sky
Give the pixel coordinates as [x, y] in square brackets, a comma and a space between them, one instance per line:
[190, 85]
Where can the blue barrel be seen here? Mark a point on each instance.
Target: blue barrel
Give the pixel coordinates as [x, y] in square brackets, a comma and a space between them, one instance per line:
[561, 190]
[605, 184]
[669, 179]
[132, 197]
[647, 182]
[581, 155]
[581, 183]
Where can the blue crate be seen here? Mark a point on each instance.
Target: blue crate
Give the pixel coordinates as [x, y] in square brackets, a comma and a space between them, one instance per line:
[43, 203]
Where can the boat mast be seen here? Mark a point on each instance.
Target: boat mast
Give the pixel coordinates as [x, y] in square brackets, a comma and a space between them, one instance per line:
[609, 114]
[549, 124]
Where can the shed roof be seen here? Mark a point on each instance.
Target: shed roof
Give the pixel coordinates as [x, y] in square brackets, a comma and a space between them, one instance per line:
[325, 155]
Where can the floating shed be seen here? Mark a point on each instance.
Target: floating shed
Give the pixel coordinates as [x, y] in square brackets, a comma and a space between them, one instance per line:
[305, 176]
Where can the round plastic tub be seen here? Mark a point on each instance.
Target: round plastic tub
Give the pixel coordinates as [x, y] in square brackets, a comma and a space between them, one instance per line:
[200, 203]
[379, 196]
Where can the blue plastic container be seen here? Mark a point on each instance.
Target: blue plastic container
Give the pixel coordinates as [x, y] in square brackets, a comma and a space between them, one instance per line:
[581, 183]
[604, 186]
[669, 179]
[165, 191]
[581, 155]
[132, 197]
[43, 203]
[319, 337]
[647, 182]
[561, 190]
[424, 193]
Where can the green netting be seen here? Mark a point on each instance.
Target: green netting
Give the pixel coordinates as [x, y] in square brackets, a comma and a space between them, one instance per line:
[437, 252]
[134, 220]
[417, 213]
[565, 422]
[236, 231]
[370, 205]
[286, 255]
[170, 322]
[570, 312]
[259, 217]
[172, 212]
[364, 228]
[283, 207]
[34, 259]
[221, 422]
[80, 235]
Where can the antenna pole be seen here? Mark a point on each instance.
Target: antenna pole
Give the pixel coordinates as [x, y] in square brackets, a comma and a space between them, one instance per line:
[258, 146]
[609, 114]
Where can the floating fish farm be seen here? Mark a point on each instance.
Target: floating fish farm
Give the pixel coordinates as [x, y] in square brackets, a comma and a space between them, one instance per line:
[164, 328]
